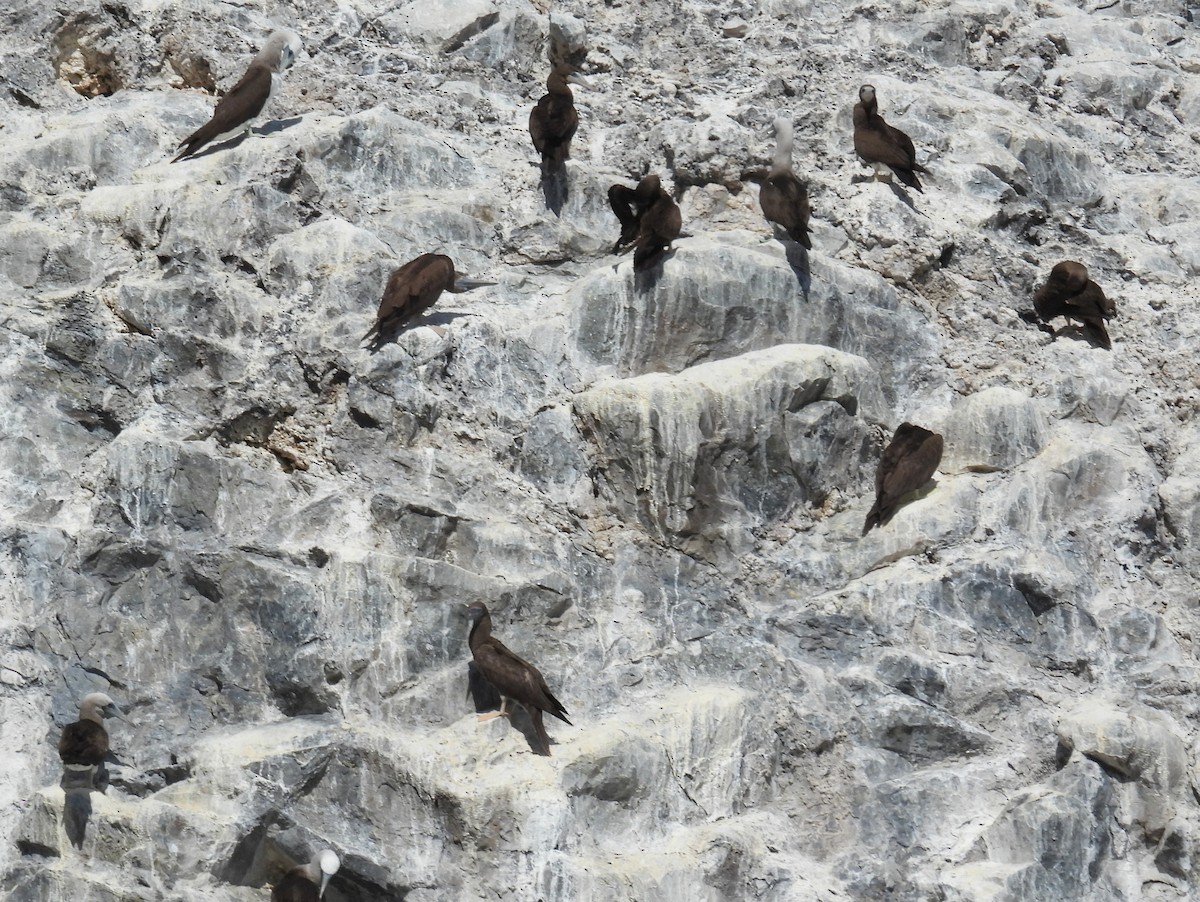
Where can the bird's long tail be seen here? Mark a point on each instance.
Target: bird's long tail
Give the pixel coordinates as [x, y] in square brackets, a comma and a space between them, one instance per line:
[554, 184]
[539, 727]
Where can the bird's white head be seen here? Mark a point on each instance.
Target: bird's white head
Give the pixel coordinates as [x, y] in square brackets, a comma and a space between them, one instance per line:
[328, 864]
[281, 49]
[97, 706]
[866, 93]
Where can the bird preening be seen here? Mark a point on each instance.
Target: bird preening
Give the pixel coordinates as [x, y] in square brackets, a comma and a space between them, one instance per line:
[237, 109]
[881, 145]
[783, 197]
[650, 220]
[411, 290]
[84, 749]
[514, 678]
[907, 465]
[307, 882]
[1069, 293]
[552, 125]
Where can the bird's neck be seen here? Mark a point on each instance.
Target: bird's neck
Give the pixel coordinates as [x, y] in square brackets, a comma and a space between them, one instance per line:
[783, 152]
[481, 631]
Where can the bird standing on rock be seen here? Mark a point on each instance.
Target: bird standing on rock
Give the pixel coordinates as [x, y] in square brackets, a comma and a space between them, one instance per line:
[649, 218]
[783, 197]
[512, 676]
[1069, 293]
[83, 749]
[907, 464]
[413, 289]
[552, 125]
[245, 100]
[882, 145]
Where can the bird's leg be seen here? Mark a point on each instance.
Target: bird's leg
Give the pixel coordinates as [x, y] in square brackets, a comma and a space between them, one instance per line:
[493, 714]
[883, 172]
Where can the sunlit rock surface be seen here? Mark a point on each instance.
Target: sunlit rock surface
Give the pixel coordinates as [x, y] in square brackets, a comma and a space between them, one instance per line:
[259, 538]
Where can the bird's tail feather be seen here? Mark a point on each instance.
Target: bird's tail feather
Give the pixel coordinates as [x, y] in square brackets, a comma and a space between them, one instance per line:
[77, 808]
[539, 727]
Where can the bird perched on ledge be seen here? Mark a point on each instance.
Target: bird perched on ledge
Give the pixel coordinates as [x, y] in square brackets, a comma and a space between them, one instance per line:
[1069, 292]
[236, 110]
[783, 197]
[649, 218]
[907, 464]
[881, 145]
[512, 676]
[552, 125]
[307, 882]
[83, 748]
[413, 289]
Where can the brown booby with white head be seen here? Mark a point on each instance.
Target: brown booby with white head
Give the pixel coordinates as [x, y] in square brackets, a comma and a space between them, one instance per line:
[307, 882]
[783, 197]
[413, 289]
[882, 145]
[907, 464]
[237, 109]
[650, 220]
[552, 125]
[83, 748]
[512, 676]
[1071, 294]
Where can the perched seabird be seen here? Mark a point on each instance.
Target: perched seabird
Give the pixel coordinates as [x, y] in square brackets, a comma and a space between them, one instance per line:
[907, 464]
[307, 882]
[246, 99]
[1070, 293]
[879, 144]
[83, 748]
[413, 289]
[649, 218]
[513, 677]
[552, 124]
[783, 197]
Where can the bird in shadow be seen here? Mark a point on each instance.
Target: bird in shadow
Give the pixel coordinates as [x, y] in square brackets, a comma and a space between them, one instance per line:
[883, 146]
[1069, 293]
[84, 750]
[906, 467]
[650, 220]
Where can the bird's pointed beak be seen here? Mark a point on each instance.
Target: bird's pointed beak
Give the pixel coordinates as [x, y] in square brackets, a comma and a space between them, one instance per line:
[324, 883]
[114, 711]
[465, 284]
[576, 79]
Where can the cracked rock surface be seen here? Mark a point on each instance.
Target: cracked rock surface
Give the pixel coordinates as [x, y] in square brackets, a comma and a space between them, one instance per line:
[258, 537]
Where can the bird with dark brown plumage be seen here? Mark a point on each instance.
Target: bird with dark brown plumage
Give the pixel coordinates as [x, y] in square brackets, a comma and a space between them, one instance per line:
[1069, 292]
[907, 464]
[783, 197]
[83, 748]
[650, 220]
[882, 145]
[511, 676]
[413, 289]
[307, 882]
[552, 125]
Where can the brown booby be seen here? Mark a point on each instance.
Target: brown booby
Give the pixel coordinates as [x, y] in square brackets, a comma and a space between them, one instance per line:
[83, 748]
[907, 464]
[552, 124]
[307, 882]
[236, 110]
[649, 218]
[1071, 294]
[413, 289]
[880, 144]
[512, 676]
[783, 197]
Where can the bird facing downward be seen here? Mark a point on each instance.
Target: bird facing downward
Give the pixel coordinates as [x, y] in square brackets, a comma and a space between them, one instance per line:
[236, 110]
[413, 289]
[907, 464]
[1069, 293]
[512, 676]
[307, 882]
[649, 218]
[881, 145]
[783, 197]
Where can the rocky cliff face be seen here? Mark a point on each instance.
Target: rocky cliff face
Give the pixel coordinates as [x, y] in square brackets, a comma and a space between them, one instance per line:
[258, 538]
